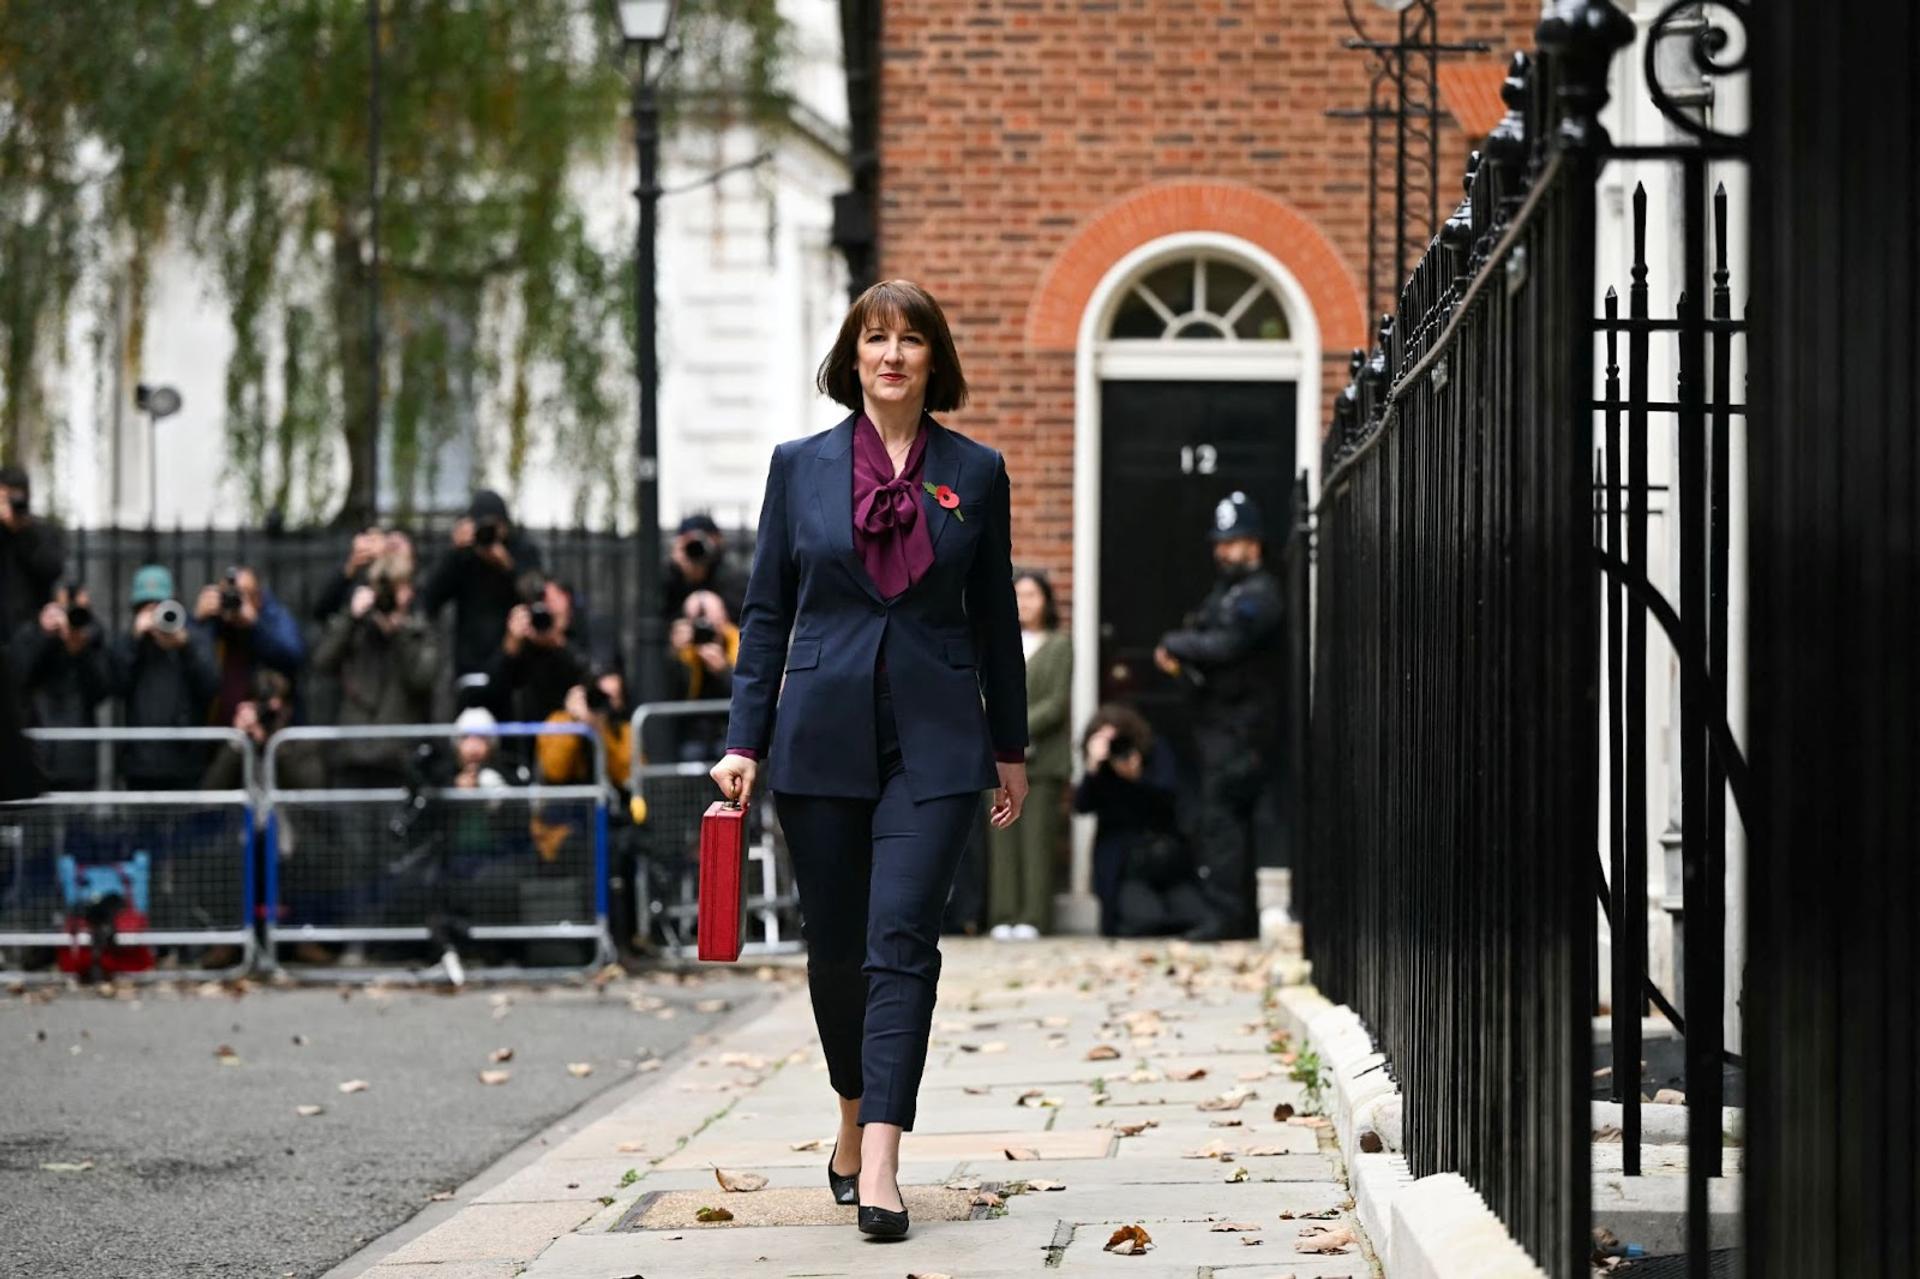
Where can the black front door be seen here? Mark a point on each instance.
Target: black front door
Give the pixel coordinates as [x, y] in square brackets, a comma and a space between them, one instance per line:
[1169, 452]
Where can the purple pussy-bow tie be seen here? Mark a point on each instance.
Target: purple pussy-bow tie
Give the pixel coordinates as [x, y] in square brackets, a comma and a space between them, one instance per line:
[893, 505]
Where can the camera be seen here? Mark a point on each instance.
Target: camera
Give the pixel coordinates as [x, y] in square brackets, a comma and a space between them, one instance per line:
[385, 598]
[540, 616]
[79, 617]
[597, 700]
[230, 591]
[20, 501]
[488, 532]
[703, 632]
[699, 548]
[170, 617]
[1122, 746]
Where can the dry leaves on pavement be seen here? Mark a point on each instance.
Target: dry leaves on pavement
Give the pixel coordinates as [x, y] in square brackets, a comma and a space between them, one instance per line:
[1282, 1113]
[713, 1214]
[1232, 1100]
[1021, 1152]
[1133, 1128]
[355, 1085]
[1234, 1225]
[1181, 1074]
[811, 1143]
[1215, 1149]
[500, 1056]
[1325, 1239]
[740, 1182]
[492, 1078]
[309, 1111]
[579, 1069]
[986, 1199]
[1102, 1052]
[1129, 1241]
[1041, 1183]
[1237, 1175]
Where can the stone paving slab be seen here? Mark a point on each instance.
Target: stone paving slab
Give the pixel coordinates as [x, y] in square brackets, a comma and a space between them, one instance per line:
[1159, 1171]
[495, 1232]
[448, 1270]
[571, 1181]
[960, 1248]
[917, 1146]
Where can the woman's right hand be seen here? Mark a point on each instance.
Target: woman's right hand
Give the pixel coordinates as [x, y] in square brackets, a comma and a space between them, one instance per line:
[735, 775]
[1099, 742]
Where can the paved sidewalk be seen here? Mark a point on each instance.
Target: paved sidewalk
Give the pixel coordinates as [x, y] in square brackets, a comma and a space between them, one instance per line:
[1103, 1065]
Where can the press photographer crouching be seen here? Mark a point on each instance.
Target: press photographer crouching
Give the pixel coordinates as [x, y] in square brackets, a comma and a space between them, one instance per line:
[162, 672]
[247, 631]
[1143, 873]
[703, 646]
[60, 662]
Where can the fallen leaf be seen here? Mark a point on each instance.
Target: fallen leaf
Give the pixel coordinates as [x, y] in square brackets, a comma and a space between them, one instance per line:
[1215, 1149]
[1608, 1132]
[85, 1165]
[609, 973]
[749, 1061]
[1250, 1241]
[652, 1063]
[986, 1199]
[226, 1055]
[1324, 1239]
[1237, 1175]
[1325, 1214]
[713, 1214]
[927, 1274]
[1182, 1074]
[967, 1183]
[309, 1111]
[713, 1006]
[355, 1085]
[1225, 1101]
[996, 1046]
[1226, 1226]
[1225, 1123]
[1311, 1121]
[1669, 1097]
[1042, 1183]
[1129, 1240]
[740, 1182]
[440, 1196]
[500, 1055]
[811, 1143]
[1031, 1097]
[1370, 1143]
[579, 1069]
[631, 1147]
[1134, 1128]
[1256, 1152]
[493, 1077]
[1021, 1152]
[1102, 1052]
[975, 1090]
[1282, 1113]
[1145, 1075]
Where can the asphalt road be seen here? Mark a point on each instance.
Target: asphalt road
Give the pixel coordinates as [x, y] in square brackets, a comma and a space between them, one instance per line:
[200, 1164]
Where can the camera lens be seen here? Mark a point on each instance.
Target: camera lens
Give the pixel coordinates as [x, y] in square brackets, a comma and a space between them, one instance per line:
[486, 533]
[385, 598]
[703, 632]
[1121, 746]
[541, 617]
[79, 617]
[170, 617]
[698, 548]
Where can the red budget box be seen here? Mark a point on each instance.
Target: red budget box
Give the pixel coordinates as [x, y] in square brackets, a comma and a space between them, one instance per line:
[723, 880]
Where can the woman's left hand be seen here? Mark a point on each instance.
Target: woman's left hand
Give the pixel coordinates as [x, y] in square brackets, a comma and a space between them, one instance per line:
[1007, 801]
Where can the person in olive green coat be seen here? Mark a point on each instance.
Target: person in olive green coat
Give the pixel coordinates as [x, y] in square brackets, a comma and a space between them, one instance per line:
[1021, 857]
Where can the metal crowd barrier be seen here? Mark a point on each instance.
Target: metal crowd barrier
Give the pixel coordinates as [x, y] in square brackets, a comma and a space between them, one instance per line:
[512, 877]
[671, 793]
[162, 880]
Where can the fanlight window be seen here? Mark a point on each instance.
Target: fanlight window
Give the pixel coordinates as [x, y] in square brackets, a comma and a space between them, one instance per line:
[1200, 297]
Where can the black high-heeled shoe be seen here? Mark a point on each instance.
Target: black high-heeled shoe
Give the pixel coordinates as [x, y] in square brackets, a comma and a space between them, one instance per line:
[884, 1223]
[846, 1189]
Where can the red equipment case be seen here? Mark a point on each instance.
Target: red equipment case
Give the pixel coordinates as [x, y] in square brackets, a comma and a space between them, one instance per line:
[723, 881]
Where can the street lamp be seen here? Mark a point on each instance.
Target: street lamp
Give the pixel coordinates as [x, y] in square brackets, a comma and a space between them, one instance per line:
[156, 402]
[643, 26]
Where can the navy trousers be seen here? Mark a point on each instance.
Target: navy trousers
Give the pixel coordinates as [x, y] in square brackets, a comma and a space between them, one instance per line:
[873, 877]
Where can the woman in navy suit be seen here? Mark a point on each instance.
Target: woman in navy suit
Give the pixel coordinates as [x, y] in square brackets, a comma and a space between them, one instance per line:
[882, 587]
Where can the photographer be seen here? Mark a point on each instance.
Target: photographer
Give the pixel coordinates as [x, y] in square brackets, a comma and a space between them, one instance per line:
[697, 561]
[163, 672]
[1142, 871]
[601, 704]
[371, 546]
[30, 553]
[387, 659]
[537, 660]
[60, 661]
[480, 576]
[267, 710]
[248, 631]
[704, 644]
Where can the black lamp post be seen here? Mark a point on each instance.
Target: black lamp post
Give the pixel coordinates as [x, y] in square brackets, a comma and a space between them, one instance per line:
[644, 25]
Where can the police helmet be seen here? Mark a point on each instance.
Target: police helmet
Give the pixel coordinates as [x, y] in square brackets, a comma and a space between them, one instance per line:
[1235, 515]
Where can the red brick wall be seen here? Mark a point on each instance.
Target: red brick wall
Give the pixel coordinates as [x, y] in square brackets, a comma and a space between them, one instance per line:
[1017, 138]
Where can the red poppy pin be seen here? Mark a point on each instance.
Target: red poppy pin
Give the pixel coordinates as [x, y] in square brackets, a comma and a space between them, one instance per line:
[946, 497]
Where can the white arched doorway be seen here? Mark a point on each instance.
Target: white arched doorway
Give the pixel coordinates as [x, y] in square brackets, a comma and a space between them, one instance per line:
[1190, 329]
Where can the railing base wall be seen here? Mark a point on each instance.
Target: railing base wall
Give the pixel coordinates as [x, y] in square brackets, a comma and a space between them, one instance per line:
[1435, 1227]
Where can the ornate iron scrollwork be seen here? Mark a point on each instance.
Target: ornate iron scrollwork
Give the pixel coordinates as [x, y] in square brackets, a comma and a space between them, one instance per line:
[1701, 24]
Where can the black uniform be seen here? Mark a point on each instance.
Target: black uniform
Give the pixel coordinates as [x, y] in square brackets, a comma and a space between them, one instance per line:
[1229, 650]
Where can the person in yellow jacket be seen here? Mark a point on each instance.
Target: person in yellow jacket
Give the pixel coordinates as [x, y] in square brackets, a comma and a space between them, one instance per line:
[566, 759]
[705, 644]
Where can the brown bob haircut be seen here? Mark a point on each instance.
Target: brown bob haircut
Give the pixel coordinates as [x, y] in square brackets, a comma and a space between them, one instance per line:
[913, 307]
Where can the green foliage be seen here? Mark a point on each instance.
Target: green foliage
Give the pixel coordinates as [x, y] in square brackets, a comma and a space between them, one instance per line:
[1308, 1071]
[239, 128]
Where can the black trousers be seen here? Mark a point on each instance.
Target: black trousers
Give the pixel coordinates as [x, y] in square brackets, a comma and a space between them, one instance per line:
[873, 877]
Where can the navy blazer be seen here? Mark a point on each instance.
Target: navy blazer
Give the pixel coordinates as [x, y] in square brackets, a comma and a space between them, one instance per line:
[952, 639]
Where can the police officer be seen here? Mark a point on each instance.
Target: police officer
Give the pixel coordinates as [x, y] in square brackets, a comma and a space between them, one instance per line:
[1227, 656]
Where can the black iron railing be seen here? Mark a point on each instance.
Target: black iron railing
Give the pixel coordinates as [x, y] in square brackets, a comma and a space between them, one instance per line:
[1447, 884]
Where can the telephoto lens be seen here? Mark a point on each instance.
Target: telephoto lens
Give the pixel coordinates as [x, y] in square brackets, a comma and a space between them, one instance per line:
[703, 632]
[385, 598]
[541, 616]
[230, 592]
[486, 533]
[79, 617]
[597, 700]
[698, 549]
[1121, 746]
[170, 617]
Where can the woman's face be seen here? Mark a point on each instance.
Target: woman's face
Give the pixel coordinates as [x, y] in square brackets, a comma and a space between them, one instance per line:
[894, 362]
[1032, 602]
